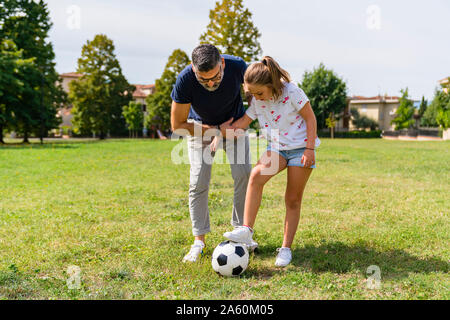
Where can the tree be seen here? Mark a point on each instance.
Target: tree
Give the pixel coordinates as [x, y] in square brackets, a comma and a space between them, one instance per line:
[331, 123]
[430, 115]
[12, 68]
[159, 103]
[134, 117]
[423, 107]
[443, 109]
[232, 31]
[326, 91]
[98, 96]
[404, 113]
[27, 24]
[438, 112]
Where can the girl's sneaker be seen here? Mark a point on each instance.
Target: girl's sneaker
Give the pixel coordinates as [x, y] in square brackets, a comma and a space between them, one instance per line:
[240, 234]
[284, 257]
[253, 246]
[195, 252]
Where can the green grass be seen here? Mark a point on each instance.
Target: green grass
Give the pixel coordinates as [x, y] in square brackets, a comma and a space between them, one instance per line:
[118, 209]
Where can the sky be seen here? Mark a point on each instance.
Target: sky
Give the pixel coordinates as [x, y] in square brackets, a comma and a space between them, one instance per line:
[376, 47]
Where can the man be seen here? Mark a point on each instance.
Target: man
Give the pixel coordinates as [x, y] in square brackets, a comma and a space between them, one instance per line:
[206, 98]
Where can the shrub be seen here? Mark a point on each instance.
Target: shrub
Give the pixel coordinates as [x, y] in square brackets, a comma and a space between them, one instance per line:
[352, 134]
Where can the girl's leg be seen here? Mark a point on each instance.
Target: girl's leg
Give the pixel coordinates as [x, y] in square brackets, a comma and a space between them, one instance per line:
[269, 165]
[296, 182]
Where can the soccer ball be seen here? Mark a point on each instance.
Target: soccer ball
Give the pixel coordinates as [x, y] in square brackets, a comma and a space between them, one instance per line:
[230, 258]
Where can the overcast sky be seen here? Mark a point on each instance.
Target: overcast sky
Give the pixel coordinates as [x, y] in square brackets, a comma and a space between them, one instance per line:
[375, 46]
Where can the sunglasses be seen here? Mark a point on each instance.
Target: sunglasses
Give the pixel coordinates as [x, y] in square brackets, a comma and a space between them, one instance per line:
[216, 78]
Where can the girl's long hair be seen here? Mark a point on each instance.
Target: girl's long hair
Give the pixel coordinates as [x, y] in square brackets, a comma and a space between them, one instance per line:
[267, 72]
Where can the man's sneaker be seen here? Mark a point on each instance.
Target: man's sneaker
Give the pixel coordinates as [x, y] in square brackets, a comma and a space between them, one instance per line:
[284, 257]
[195, 252]
[240, 234]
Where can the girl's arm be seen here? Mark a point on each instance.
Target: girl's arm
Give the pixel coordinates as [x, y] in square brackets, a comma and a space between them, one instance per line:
[307, 114]
[311, 125]
[239, 125]
[243, 122]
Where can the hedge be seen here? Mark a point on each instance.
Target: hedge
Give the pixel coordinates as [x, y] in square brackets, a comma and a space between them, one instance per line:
[351, 134]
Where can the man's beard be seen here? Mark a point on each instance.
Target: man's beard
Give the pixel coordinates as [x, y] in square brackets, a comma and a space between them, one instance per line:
[213, 88]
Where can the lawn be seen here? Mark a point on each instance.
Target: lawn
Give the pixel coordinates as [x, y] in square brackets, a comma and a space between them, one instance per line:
[118, 209]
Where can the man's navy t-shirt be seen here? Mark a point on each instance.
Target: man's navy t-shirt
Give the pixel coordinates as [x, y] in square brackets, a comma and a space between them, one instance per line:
[213, 107]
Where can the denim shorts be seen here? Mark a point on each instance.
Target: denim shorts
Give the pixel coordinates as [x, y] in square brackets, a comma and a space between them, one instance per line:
[293, 157]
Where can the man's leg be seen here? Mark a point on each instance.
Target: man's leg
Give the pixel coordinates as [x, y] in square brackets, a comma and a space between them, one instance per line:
[200, 176]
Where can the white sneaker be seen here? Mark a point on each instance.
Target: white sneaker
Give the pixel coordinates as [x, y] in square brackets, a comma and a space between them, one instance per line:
[253, 246]
[240, 234]
[284, 257]
[195, 252]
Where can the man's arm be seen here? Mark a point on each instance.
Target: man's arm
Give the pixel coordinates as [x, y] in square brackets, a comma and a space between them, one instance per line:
[178, 120]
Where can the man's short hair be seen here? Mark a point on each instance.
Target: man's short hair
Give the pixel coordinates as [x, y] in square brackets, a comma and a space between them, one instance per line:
[205, 57]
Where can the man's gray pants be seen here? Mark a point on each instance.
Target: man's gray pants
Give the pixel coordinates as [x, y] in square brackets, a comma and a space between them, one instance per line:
[200, 158]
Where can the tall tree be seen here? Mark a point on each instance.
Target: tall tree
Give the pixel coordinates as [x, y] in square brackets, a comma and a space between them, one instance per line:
[443, 109]
[159, 103]
[98, 96]
[326, 91]
[27, 24]
[423, 106]
[232, 31]
[404, 113]
[430, 114]
[12, 69]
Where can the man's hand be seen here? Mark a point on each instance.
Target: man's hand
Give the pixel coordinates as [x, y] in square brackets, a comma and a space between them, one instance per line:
[215, 144]
[238, 132]
[227, 129]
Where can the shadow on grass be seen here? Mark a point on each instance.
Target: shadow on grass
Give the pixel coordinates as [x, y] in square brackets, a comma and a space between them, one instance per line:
[340, 258]
[67, 143]
[55, 144]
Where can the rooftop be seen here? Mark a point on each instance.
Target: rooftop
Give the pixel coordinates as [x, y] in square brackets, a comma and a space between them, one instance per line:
[71, 75]
[138, 93]
[445, 80]
[385, 98]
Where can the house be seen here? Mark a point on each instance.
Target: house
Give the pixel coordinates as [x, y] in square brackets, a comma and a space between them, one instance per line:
[380, 108]
[142, 92]
[69, 77]
[139, 95]
[445, 83]
[65, 112]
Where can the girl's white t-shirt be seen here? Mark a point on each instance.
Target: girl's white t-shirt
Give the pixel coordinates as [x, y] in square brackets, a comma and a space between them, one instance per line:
[280, 121]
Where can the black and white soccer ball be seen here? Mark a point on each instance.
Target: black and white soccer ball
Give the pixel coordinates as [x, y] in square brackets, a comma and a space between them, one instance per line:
[230, 258]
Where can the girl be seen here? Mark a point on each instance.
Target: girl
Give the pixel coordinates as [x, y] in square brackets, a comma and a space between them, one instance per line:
[287, 119]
